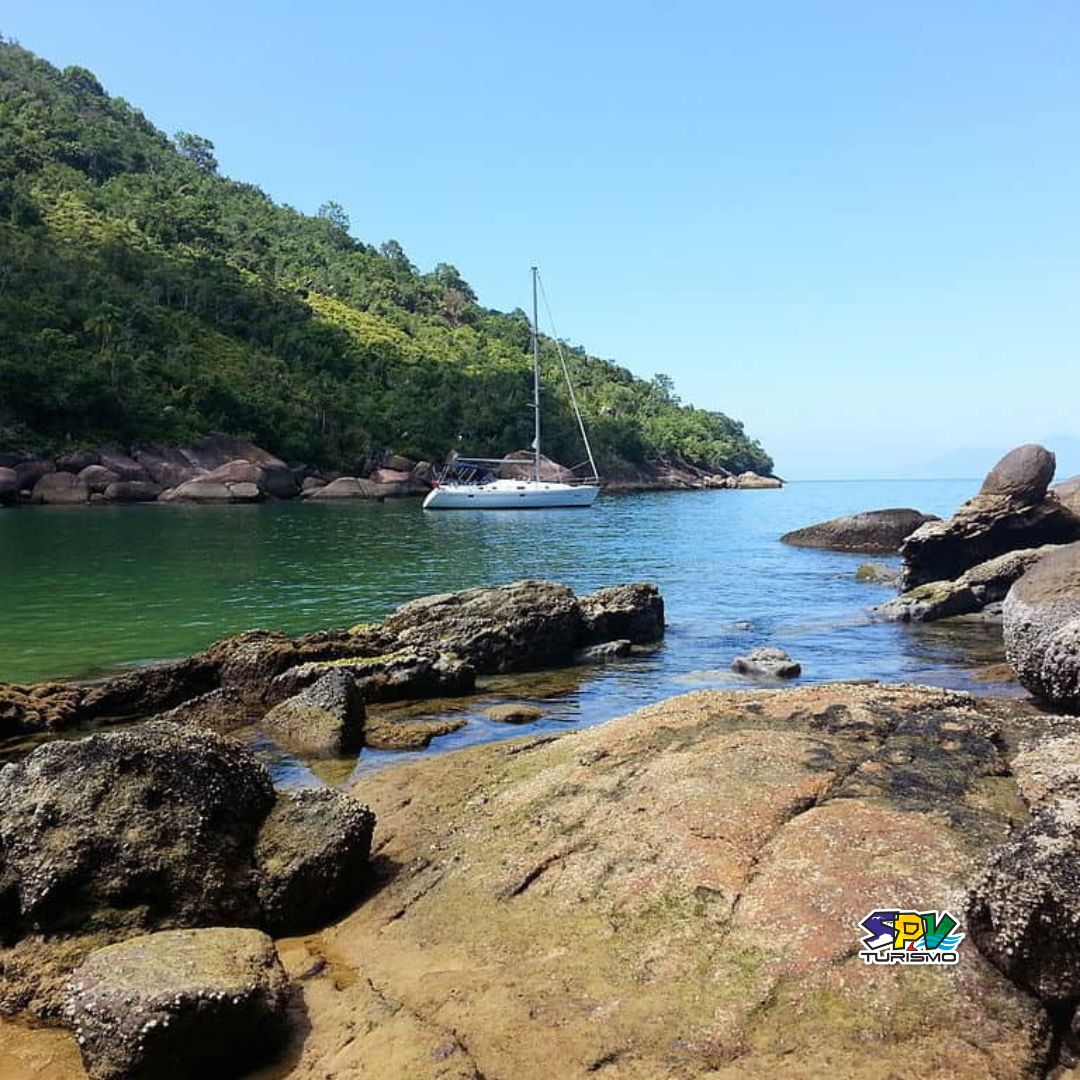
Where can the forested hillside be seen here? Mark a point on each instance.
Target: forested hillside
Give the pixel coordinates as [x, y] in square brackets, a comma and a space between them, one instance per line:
[145, 297]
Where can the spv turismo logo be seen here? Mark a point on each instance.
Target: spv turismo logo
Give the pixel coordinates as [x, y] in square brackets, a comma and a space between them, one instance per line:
[895, 936]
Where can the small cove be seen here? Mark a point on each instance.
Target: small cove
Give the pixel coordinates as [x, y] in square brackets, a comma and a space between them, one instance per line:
[98, 590]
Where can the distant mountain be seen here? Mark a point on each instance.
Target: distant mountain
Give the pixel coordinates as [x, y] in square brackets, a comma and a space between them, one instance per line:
[976, 462]
[143, 297]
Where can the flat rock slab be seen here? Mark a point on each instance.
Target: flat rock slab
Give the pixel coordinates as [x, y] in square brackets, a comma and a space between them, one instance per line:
[677, 894]
[178, 1004]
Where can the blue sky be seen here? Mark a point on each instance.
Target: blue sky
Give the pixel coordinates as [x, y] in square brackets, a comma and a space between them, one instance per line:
[854, 226]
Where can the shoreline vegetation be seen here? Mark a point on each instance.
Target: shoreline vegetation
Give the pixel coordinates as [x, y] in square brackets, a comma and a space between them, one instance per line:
[148, 300]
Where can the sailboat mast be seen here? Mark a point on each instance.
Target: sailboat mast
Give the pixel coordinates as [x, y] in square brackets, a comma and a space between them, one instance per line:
[536, 378]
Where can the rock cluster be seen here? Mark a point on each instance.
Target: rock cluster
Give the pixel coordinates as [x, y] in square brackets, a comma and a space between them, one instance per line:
[1012, 511]
[160, 826]
[968, 563]
[218, 470]
[310, 692]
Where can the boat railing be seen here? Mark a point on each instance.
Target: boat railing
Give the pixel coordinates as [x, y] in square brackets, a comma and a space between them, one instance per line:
[485, 470]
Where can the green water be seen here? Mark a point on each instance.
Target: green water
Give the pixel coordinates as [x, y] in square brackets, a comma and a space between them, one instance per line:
[90, 590]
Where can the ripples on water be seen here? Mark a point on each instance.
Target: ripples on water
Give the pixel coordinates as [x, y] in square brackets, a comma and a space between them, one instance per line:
[92, 590]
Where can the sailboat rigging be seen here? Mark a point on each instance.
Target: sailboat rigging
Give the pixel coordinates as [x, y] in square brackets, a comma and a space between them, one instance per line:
[474, 483]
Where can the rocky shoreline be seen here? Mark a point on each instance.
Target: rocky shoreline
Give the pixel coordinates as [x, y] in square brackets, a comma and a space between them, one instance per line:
[680, 892]
[223, 470]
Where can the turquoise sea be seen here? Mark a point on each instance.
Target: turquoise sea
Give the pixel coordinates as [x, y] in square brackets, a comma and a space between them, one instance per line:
[95, 590]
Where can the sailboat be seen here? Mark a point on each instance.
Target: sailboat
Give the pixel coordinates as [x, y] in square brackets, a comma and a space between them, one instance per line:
[475, 483]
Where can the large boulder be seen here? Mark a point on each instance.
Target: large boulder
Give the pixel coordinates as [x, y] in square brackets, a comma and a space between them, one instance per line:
[1022, 475]
[1011, 511]
[312, 859]
[9, 485]
[150, 826]
[216, 450]
[125, 467]
[875, 532]
[60, 489]
[97, 478]
[751, 481]
[347, 487]
[168, 466]
[326, 719]
[1023, 914]
[1042, 628]
[132, 491]
[633, 612]
[180, 1004]
[1068, 493]
[527, 624]
[271, 477]
[521, 465]
[205, 489]
[30, 471]
[77, 461]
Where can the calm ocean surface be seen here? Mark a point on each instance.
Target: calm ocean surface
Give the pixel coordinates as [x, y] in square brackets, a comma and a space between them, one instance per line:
[89, 591]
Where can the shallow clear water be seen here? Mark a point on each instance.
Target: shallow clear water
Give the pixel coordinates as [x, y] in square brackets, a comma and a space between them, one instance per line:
[93, 590]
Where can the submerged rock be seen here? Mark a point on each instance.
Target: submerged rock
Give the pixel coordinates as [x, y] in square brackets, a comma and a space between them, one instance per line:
[312, 859]
[514, 713]
[767, 662]
[875, 532]
[604, 651]
[180, 1004]
[878, 573]
[1042, 628]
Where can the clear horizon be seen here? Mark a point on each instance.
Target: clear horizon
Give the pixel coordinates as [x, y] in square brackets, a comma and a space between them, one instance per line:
[853, 230]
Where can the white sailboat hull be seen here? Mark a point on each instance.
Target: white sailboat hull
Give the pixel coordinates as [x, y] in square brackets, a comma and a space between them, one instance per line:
[511, 495]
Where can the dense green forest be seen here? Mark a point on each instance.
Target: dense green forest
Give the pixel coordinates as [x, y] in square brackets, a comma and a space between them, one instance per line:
[144, 297]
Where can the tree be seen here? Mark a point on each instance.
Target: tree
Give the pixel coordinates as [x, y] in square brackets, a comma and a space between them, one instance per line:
[199, 151]
[395, 253]
[449, 277]
[334, 213]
